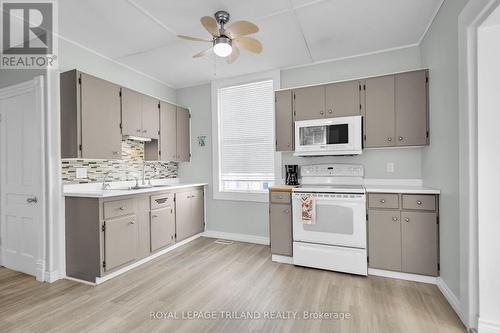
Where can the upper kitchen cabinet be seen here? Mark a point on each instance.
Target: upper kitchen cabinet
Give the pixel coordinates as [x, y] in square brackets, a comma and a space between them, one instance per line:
[174, 134]
[396, 110]
[183, 135]
[309, 103]
[140, 114]
[342, 99]
[284, 120]
[411, 109]
[379, 111]
[90, 117]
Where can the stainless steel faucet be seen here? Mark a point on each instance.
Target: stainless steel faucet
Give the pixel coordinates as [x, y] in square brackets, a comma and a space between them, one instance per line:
[105, 185]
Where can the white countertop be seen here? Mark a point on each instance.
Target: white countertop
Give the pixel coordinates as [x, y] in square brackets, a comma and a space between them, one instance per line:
[94, 190]
[406, 186]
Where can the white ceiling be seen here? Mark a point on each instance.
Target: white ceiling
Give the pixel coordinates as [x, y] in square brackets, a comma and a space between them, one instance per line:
[142, 33]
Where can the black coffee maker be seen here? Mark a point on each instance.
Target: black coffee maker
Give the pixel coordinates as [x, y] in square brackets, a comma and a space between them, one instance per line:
[292, 174]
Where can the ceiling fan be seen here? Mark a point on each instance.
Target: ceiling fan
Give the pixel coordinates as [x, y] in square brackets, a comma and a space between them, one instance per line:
[227, 41]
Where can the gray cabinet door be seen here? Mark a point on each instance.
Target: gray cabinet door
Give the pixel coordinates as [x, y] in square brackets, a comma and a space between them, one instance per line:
[120, 241]
[411, 108]
[150, 117]
[342, 99]
[143, 230]
[419, 239]
[384, 239]
[284, 120]
[162, 227]
[131, 112]
[183, 135]
[183, 215]
[198, 209]
[380, 112]
[309, 103]
[168, 132]
[280, 220]
[100, 119]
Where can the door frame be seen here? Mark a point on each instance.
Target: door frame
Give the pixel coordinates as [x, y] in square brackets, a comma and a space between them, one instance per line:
[37, 85]
[469, 21]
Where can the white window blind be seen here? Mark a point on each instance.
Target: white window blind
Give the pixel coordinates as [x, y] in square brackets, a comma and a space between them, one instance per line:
[246, 128]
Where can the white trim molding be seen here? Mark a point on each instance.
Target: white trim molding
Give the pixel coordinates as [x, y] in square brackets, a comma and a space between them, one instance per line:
[282, 259]
[485, 326]
[450, 297]
[402, 276]
[237, 237]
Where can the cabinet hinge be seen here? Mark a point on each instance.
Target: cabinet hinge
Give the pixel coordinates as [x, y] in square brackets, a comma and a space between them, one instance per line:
[103, 264]
[121, 126]
[120, 93]
[426, 79]
[439, 267]
[103, 228]
[294, 96]
[367, 259]
[0, 117]
[367, 217]
[364, 86]
[159, 105]
[275, 99]
[427, 134]
[158, 132]
[80, 147]
[437, 220]
[360, 107]
[360, 87]
[159, 152]
[190, 116]
[364, 137]
[80, 79]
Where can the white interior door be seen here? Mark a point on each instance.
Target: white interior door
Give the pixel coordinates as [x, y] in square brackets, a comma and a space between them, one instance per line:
[22, 178]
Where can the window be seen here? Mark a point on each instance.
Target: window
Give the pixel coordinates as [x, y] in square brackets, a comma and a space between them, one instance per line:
[246, 137]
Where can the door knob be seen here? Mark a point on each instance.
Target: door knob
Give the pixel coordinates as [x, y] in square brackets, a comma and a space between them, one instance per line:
[400, 138]
[395, 219]
[330, 111]
[32, 200]
[321, 112]
[389, 139]
[286, 211]
[382, 200]
[407, 219]
[419, 202]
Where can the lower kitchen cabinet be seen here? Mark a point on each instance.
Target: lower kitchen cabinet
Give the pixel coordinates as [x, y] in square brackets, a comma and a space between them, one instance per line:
[404, 239]
[119, 237]
[162, 227]
[280, 223]
[106, 234]
[189, 214]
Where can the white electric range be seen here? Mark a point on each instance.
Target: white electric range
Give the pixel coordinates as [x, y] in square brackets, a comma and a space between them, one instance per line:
[336, 240]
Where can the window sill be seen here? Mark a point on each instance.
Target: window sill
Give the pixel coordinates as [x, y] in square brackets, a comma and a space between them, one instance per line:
[242, 196]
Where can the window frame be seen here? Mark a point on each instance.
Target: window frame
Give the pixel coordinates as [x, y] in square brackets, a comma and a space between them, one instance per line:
[216, 156]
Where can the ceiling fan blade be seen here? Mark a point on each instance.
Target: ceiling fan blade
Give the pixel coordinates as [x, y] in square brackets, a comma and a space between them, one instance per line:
[248, 43]
[210, 24]
[194, 39]
[234, 55]
[241, 28]
[202, 53]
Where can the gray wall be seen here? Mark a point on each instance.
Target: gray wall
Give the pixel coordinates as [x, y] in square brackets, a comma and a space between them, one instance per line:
[10, 77]
[72, 56]
[252, 218]
[439, 51]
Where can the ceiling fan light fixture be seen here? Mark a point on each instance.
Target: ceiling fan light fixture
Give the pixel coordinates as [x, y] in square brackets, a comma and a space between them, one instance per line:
[222, 46]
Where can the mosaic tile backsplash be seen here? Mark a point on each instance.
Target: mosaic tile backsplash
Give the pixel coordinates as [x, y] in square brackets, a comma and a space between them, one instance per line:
[128, 168]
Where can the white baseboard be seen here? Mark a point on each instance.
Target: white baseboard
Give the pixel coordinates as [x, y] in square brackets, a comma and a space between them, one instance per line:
[237, 237]
[282, 259]
[486, 326]
[145, 260]
[451, 298]
[403, 276]
[51, 277]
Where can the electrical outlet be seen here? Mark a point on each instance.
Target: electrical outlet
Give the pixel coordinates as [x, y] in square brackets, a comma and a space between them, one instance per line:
[390, 167]
[81, 173]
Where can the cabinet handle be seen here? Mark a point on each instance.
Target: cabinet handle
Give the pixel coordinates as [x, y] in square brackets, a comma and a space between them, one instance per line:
[132, 222]
[32, 200]
[389, 139]
[407, 219]
[400, 138]
[280, 196]
[286, 211]
[138, 131]
[330, 111]
[121, 208]
[154, 216]
[382, 200]
[419, 202]
[288, 145]
[145, 131]
[116, 152]
[395, 219]
[321, 112]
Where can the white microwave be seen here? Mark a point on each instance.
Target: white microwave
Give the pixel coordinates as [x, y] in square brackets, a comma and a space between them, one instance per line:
[331, 136]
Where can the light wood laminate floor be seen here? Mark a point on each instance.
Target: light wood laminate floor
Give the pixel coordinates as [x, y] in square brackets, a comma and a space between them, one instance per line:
[205, 276]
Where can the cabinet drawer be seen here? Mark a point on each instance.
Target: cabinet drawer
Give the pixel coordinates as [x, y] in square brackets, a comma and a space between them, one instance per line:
[383, 200]
[281, 197]
[118, 208]
[162, 200]
[419, 202]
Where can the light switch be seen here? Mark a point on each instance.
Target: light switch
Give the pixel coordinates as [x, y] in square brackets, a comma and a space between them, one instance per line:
[81, 173]
[390, 167]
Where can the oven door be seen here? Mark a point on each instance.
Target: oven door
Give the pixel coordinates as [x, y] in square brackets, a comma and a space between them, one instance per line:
[334, 136]
[339, 219]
